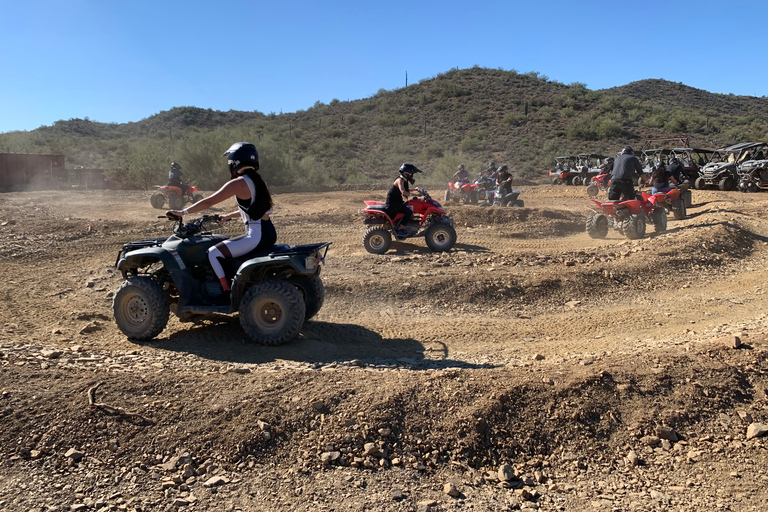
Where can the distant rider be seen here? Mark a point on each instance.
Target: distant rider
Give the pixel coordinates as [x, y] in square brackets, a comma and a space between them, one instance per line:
[661, 179]
[397, 196]
[607, 169]
[491, 169]
[625, 168]
[675, 169]
[462, 176]
[175, 175]
[504, 178]
[254, 207]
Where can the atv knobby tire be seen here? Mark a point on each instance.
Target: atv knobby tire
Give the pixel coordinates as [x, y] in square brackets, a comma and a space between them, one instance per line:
[313, 291]
[678, 209]
[659, 216]
[175, 202]
[633, 226]
[447, 196]
[557, 181]
[140, 308]
[157, 200]
[699, 183]
[576, 180]
[377, 240]
[597, 225]
[473, 197]
[197, 197]
[440, 237]
[272, 312]
[592, 190]
[727, 183]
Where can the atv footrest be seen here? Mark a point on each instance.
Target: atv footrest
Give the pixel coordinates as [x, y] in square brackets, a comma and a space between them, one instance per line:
[204, 310]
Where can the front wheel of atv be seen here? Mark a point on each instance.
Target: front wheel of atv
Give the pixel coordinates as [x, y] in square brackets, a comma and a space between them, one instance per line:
[557, 181]
[440, 237]
[699, 183]
[313, 291]
[447, 196]
[727, 183]
[659, 216]
[678, 209]
[597, 225]
[592, 190]
[634, 226]
[377, 240]
[140, 308]
[157, 200]
[576, 180]
[520, 203]
[473, 197]
[272, 312]
[175, 202]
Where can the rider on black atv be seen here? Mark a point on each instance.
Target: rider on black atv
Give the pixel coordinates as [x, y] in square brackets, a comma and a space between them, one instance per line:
[625, 168]
[175, 175]
[399, 194]
[504, 178]
[254, 202]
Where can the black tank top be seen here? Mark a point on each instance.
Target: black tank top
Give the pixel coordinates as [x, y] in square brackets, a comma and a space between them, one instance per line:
[394, 196]
[257, 206]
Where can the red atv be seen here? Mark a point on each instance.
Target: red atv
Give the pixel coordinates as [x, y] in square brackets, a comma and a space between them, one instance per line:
[601, 182]
[177, 196]
[631, 216]
[429, 220]
[460, 191]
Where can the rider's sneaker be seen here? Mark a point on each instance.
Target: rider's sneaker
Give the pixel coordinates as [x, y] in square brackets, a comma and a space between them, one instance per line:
[400, 232]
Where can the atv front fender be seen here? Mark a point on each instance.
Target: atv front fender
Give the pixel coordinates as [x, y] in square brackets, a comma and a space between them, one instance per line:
[142, 257]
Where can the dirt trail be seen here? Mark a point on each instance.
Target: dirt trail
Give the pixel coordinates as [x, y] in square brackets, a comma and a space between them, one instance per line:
[530, 344]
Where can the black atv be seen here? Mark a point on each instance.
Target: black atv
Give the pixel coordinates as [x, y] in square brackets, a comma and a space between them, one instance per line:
[274, 290]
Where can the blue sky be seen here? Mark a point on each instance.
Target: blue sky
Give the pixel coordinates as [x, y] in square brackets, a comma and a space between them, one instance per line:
[121, 61]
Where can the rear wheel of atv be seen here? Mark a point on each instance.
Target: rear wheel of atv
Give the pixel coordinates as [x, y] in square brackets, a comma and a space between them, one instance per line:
[157, 200]
[377, 240]
[473, 197]
[313, 291]
[634, 226]
[272, 312]
[699, 183]
[727, 183]
[197, 197]
[175, 202]
[688, 198]
[592, 190]
[520, 203]
[140, 308]
[557, 181]
[576, 180]
[678, 209]
[597, 225]
[659, 216]
[440, 237]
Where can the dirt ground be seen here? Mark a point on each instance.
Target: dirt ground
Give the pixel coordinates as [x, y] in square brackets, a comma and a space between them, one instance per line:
[531, 367]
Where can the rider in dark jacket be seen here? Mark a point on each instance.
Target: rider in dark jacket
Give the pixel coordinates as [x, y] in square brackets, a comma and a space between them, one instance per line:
[175, 175]
[625, 168]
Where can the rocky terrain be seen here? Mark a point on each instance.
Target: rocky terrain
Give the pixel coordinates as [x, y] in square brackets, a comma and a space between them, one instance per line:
[530, 368]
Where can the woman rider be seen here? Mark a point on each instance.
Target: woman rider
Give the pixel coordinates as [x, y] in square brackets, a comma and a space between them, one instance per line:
[254, 202]
[398, 194]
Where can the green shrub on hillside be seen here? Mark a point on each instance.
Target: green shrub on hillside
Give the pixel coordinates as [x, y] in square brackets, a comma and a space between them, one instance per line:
[515, 119]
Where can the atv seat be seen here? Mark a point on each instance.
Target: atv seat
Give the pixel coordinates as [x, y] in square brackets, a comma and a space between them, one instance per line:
[380, 207]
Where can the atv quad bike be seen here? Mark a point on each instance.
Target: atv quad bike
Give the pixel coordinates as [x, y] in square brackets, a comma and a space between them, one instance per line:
[177, 197]
[464, 192]
[631, 216]
[274, 291]
[565, 170]
[430, 220]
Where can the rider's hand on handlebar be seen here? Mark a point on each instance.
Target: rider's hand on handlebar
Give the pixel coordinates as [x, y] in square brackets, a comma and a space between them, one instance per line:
[174, 214]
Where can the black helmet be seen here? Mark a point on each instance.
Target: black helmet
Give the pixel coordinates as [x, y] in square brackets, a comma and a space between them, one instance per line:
[610, 159]
[627, 150]
[175, 166]
[502, 168]
[240, 155]
[491, 165]
[461, 167]
[408, 169]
